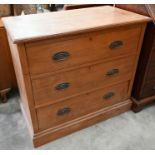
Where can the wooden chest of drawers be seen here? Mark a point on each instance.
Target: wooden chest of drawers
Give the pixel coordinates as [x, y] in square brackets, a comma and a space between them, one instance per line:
[74, 68]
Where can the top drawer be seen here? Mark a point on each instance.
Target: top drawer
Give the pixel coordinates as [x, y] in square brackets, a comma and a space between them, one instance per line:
[52, 55]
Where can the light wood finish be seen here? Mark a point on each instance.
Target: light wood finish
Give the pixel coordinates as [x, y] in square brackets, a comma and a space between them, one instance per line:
[45, 88]
[82, 49]
[7, 75]
[24, 84]
[34, 27]
[46, 136]
[91, 58]
[93, 101]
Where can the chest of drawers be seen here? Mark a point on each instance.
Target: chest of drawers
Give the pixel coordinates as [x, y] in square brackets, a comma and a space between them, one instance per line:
[74, 68]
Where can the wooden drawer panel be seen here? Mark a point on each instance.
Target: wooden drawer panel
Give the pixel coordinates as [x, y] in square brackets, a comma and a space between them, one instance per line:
[59, 86]
[148, 89]
[73, 108]
[45, 56]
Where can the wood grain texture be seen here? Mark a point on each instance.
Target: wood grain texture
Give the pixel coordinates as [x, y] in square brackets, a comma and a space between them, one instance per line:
[90, 60]
[82, 49]
[28, 28]
[24, 84]
[143, 27]
[45, 92]
[93, 101]
[80, 123]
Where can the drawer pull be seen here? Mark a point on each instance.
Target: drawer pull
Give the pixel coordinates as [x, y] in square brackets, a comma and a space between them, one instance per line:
[112, 72]
[62, 86]
[154, 88]
[64, 111]
[108, 95]
[116, 44]
[60, 56]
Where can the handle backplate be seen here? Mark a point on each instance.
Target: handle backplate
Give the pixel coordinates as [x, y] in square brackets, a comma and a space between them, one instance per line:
[60, 56]
[116, 44]
[64, 111]
[112, 72]
[109, 95]
[62, 86]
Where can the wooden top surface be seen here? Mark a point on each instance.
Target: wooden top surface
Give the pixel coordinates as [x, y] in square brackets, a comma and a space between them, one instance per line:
[48, 25]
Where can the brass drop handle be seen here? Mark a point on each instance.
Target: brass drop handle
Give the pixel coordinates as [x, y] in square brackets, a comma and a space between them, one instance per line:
[62, 86]
[109, 95]
[60, 56]
[112, 72]
[64, 111]
[116, 44]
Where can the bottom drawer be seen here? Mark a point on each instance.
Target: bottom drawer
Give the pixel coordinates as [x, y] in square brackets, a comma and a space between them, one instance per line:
[72, 108]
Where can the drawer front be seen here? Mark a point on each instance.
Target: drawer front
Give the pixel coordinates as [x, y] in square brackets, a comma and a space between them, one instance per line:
[48, 56]
[73, 108]
[57, 87]
[148, 89]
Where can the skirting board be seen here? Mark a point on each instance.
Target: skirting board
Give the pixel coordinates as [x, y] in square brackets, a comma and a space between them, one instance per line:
[80, 123]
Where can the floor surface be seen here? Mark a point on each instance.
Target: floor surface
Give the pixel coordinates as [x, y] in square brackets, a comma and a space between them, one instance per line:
[126, 131]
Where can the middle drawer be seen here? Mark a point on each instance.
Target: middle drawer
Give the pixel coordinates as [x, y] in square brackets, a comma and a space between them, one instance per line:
[68, 84]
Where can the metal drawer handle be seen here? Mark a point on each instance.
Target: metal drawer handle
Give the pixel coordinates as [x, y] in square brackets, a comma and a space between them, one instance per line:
[60, 56]
[64, 111]
[62, 86]
[116, 44]
[112, 72]
[108, 95]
